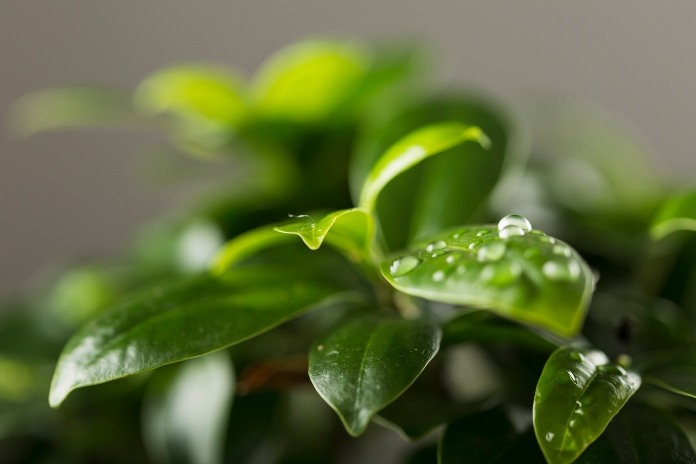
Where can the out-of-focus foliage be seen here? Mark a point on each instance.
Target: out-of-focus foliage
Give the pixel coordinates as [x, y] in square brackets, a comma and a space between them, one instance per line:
[488, 339]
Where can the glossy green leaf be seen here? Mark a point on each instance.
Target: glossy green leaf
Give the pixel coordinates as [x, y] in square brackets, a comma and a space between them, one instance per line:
[186, 422]
[197, 91]
[411, 150]
[487, 438]
[70, 107]
[530, 278]
[677, 213]
[351, 230]
[640, 434]
[481, 326]
[367, 363]
[196, 316]
[675, 372]
[244, 246]
[309, 81]
[452, 188]
[578, 393]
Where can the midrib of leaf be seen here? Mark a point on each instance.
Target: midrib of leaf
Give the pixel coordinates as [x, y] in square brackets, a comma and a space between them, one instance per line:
[567, 426]
[358, 392]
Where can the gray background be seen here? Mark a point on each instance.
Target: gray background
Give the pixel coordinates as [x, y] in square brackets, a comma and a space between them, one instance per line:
[72, 193]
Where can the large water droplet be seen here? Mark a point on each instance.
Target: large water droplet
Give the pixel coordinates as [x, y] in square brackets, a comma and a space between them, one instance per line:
[511, 231]
[492, 251]
[438, 276]
[515, 220]
[435, 246]
[561, 270]
[403, 265]
[561, 250]
[500, 274]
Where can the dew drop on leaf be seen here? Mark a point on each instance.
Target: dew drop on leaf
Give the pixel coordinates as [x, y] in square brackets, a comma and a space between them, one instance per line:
[561, 271]
[586, 400]
[452, 258]
[403, 265]
[474, 244]
[510, 231]
[561, 250]
[612, 369]
[435, 246]
[575, 356]
[492, 251]
[438, 276]
[515, 220]
[501, 273]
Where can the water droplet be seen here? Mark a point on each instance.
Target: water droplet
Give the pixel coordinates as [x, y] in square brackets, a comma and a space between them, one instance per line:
[565, 376]
[510, 231]
[531, 252]
[403, 265]
[536, 232]
[456, 235]
[501, 273]
[438, 276]
[514, 220]
[586, 400]
[492, 251]
[561, 250]
[461, 269]
[320, 347]
[547, 239]
[612, 369]
[435, 246]
[474, 244]
[561, 271]
[452, 258]
[481, 232]
[575, 356]
[549, 436]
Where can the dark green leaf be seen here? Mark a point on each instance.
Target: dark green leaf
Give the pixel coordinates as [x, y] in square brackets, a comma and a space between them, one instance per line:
[675, 372]
[640, 434]
[487, 438]
[427, 455]
[413, 148]
[365, 364]
[530, 278]
[578, 393]
[197, 316]
[186, 422]
[677, 213]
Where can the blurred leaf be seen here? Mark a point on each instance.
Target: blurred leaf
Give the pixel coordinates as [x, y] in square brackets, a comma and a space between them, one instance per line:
[307, 82]
[677, 213]
[250, 422]
[480, 326]
[452, 188]
[411, 150]
[427, 455]
[640, 434]
[352, 230]
[196, 316]
[530, 278]
[245, 245]
[367, 363]
[81, 293]
[487, 438]
[186, 422]
[578, 393]
[675, 371]
[70, 107]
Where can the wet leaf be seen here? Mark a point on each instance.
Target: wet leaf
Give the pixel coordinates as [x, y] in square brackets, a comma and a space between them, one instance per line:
[530, 278]
[677, 213]
[198, 315]
[640, 434]
[186, 422]
[578, 393]
[411, 150]
[367, 363]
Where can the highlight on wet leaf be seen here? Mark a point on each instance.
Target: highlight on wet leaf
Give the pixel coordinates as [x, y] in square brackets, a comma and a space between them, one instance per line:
[677, 213]
[411, 150]
[510, 269]
[578, 394]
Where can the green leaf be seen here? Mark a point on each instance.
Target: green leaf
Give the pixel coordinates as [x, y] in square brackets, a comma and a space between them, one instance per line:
[481, 326]
[530, 278]
[487, 438]
[245, 245]
[70, 107]
[675, 372]
[309, 81]
[640, 434]
[351, 230]
[199, 315]
[187, 421]
[677, 213]
[411, 150]
[365, 364]
[578, 393]
[452, 188]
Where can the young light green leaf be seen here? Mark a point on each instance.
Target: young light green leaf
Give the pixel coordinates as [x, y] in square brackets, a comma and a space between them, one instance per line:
[411, 150]
[675, 372]
[677, 213]
[640, 434]
[367, 363]
[513, 271]
[70, 107]
[244, 246]
[578, 393]
[351, 230]
[186, 421]
[309, 81]
[198, 315]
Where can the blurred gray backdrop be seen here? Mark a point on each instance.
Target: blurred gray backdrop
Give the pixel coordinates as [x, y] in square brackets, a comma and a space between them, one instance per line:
[72, 193]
